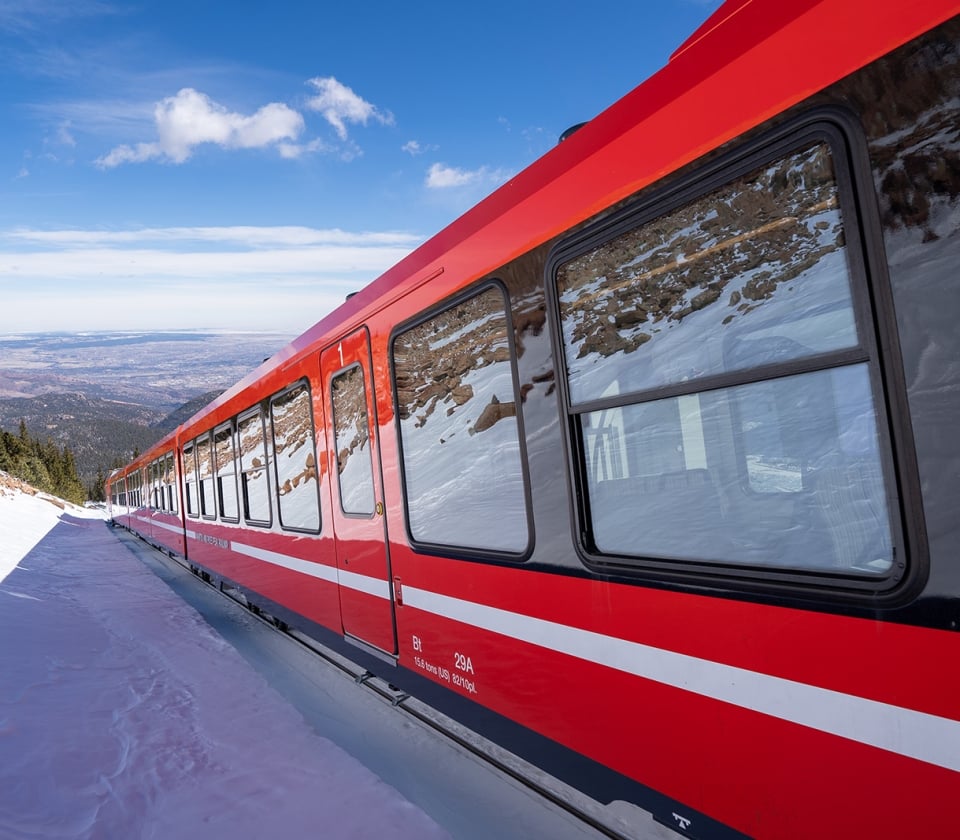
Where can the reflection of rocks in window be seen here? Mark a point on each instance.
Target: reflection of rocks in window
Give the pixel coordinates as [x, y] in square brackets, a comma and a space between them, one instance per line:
[204, 462]
[493, 413]
[433, 359]
[759, 232]
[352, 434]
[761, 255]
[910, 103]
[462, 466]
[309, 471]
[350, 415]
[291, 422]
[295, 460]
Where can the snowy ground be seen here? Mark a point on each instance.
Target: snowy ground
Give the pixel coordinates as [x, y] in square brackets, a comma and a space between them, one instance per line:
[124, 713]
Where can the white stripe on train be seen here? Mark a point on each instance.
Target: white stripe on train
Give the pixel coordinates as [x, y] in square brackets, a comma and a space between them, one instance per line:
[918, 735]
[929, 738]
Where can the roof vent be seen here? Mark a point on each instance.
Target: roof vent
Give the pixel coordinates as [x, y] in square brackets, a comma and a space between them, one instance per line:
[572, 130]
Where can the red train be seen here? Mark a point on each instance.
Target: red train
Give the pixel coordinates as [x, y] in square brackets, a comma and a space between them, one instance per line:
[648, 465]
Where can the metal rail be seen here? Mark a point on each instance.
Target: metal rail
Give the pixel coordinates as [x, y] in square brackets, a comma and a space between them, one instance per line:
[588, 811]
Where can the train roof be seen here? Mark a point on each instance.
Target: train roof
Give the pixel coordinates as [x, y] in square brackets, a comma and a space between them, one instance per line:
[749, 61]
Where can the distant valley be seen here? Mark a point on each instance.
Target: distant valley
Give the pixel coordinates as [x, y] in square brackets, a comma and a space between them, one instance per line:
[107, 394]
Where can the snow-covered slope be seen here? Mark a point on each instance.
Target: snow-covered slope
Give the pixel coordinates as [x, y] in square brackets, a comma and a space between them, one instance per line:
[123, 715]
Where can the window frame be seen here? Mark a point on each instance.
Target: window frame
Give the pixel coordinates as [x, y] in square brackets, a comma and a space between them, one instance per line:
[877, 348]
[218, 431]
[274, 398]
[191, 505]
[353, 514]
[170, 467]
[257, 414]
[442, 549]
[208, 510]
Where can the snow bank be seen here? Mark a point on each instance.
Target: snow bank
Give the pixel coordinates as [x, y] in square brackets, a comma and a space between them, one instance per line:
[124, 715]
[26, 516]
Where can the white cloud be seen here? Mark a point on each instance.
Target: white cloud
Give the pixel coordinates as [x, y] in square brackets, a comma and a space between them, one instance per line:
[440, 176]
[415, 147]
[339, 105]
[129, 154]
[291, 151]
[191, 118]
[283, 277]
[251, 236]
[64, 136]
[224, 265]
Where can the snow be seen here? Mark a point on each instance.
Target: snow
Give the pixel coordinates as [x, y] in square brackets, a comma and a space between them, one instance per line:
[126, 713]
[122, 714]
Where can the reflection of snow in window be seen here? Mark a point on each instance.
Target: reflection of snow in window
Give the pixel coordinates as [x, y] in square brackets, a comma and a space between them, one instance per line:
[693, 292]
[190, 480]
[806, 495]
[253, 466]
[776, 461]
[459, 430]
[205, 470]
[295, 460]
[226, 473]
[352, 442]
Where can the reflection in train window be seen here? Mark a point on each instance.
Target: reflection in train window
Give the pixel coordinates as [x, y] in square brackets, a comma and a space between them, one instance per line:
[156, 477]
[719, 387]
[295, 460]
[254, 480]
[190, 486]
[170, 482]
[352, 440]
[755, 273]
[457, 407]
[154, 485]
[226, 473]
[205, 471]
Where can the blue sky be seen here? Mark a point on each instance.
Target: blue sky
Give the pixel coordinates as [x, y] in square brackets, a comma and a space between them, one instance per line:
[168, 165]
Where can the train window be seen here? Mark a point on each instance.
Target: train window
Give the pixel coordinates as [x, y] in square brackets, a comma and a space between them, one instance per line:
[719, 378]
[253, 470]
[295, 460]
[158, 490]
[205, 471]
[155, 500]
[226, 468]
[152, 486]
[191, 490]
[170, 481]
[457, 408]
[352, 438]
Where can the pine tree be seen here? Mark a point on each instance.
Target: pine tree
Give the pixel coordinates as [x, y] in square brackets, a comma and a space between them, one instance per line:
[97, 491]
[41, 464]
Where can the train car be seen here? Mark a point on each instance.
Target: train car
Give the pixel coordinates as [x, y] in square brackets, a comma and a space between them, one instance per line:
[144, 497]
[647, 466]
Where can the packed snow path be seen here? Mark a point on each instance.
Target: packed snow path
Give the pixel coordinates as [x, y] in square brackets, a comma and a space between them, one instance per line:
[125, 714]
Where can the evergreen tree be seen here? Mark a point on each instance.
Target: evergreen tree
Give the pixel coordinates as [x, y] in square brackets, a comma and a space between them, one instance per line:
[41, 464]
[97, 491]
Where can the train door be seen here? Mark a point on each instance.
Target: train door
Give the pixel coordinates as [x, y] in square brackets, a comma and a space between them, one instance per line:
[363, 562]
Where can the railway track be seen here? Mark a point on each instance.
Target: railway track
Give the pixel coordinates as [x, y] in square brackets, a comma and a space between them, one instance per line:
[619, 821]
